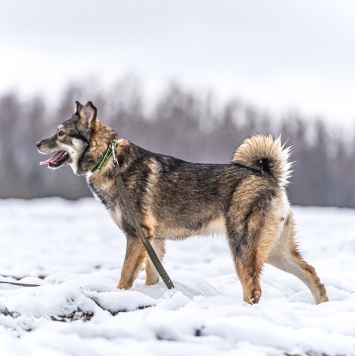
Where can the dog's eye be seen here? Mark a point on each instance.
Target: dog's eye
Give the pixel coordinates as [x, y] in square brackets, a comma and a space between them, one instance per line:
[60, 133]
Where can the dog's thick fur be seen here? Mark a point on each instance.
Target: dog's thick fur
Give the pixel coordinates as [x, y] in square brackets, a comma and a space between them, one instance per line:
[175, 199]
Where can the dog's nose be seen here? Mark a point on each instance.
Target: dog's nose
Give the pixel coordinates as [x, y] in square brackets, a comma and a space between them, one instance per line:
[38, 144]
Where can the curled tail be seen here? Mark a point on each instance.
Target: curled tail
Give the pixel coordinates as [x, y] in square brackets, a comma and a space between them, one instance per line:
[265, 154]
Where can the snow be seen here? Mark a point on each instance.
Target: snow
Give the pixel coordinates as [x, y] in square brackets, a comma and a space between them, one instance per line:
[75, 253]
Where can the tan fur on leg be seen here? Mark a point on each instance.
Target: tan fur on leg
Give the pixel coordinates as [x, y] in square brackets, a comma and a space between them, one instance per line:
[151, 272]
[285, 256]
[263, 231]
[135, 255]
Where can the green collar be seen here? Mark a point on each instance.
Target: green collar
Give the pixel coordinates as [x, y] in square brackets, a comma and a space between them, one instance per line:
[110, 150]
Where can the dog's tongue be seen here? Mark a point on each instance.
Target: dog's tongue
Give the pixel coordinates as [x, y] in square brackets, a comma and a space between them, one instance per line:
[51, 160]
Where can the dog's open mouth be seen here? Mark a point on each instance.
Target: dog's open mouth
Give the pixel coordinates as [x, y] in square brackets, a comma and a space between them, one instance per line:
[57, 160]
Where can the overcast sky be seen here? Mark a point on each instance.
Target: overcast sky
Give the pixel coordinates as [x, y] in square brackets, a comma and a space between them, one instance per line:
[278, 54]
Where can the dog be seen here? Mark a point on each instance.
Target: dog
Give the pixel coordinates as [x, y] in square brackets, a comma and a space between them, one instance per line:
[175, 199]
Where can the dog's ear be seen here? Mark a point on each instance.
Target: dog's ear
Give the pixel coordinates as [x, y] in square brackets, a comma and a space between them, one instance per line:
[78, 107]
[87, 114]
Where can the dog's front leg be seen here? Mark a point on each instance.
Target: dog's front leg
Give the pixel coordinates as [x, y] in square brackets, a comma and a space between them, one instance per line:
[135, 256]
[151, 272]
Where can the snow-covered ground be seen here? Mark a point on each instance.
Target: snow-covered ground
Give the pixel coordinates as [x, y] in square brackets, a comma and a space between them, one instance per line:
[75, 252]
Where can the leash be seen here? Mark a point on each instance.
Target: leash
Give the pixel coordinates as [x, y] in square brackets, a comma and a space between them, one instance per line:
[20, 284]
[128, 206]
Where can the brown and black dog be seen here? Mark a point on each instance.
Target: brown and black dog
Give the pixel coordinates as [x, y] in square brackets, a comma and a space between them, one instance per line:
[175, 199]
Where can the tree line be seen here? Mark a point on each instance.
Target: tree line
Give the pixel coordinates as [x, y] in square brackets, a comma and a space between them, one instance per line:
[182, 123]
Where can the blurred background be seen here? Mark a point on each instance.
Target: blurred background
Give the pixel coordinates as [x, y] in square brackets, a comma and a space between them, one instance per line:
[186, 78]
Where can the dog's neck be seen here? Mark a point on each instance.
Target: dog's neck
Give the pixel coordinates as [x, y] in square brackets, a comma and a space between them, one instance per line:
[110, 151]
[100, 139]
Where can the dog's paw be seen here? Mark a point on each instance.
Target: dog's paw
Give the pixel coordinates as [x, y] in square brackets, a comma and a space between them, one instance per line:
[254, 298]
[151, 281]
[124, 286]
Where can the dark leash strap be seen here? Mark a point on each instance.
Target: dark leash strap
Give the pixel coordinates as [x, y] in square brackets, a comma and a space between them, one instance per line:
[129, 208]
[20, 284]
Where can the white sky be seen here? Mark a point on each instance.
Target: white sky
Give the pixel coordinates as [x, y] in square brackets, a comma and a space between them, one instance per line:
[280, 55]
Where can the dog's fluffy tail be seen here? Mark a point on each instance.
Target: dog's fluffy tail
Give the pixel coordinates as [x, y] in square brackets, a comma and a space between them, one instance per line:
[265, 154]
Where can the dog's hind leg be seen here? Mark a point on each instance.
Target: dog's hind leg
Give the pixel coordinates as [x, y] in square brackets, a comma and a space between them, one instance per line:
[250, 249]
[135, 256]
[151, 272]
[286, 257]
[248, 271]
[252, 234]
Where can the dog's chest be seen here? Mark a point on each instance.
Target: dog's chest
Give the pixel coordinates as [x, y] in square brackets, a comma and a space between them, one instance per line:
[104, 190]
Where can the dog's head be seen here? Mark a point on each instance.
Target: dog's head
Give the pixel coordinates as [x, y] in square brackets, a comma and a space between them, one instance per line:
[72, 140]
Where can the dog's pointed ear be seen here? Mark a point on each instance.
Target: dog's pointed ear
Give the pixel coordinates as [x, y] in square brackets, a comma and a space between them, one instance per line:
[87, 114]
[78, 107]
